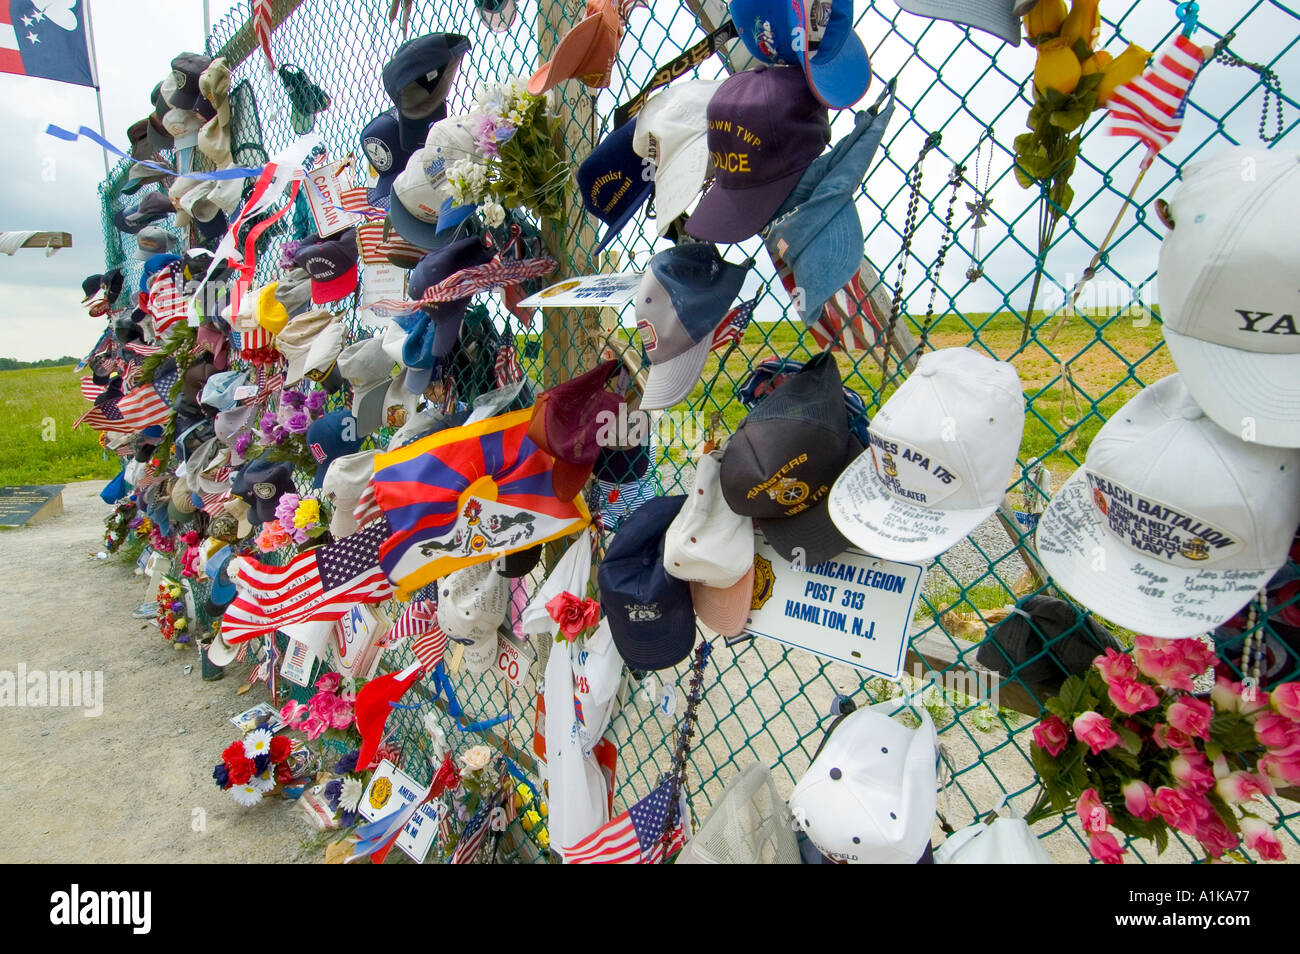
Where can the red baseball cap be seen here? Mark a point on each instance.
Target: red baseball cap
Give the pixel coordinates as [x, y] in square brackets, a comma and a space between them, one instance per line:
[565, 424]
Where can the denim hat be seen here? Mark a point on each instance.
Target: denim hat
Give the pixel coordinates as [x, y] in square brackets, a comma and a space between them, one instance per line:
[417, 80]
[650, 614]
[381, 141]
[334, 435]
[611, 183]
[219, 389]
[817, 232]
[832, 56]
[682, 298]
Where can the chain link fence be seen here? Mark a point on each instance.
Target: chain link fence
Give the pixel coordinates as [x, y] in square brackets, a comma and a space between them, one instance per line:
[763, 701]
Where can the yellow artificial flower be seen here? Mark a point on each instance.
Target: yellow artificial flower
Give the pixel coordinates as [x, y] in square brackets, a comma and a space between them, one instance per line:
[1046, 17]
[1057, 67]
[1121, 70]
[308, 512]
[1082, 23]
[1097, 63]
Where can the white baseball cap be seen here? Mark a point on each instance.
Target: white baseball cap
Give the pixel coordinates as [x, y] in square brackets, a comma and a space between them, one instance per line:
[422, 187]
[671, 131]
[307, 355]
[870, 795]
[472, 603]
[345, 481]
[1229, 298]
[713, 548]
[942, 450]
[1172, 524]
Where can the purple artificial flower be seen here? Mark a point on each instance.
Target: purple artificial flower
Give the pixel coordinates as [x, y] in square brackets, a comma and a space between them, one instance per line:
[298, 423]
[294, 399]
[299, 535]
[316, 403]
[348, 819]
[285, 508]
[333, 792]
[348, 764]
[268, 423]
[242, 442]
[135, 521]
[287, 252]
[221, 776]
[280, 435]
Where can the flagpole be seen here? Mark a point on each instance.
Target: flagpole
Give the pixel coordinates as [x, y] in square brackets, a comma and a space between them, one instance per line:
[99, 96]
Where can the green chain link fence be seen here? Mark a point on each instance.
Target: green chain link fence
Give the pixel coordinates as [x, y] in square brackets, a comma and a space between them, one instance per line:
[763, 701]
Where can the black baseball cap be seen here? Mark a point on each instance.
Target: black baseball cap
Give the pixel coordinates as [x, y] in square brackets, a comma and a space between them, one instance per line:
[780, 464]
[1042, 642]
[417, 80]
[650, 613]
[186, 70]
[261, 484]
[521, 562]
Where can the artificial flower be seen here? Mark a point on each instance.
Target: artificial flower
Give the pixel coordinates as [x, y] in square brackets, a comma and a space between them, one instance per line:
[1261, 839]
[246, 794]
[348, 763]
[1083, 22]
[494, 213]
[476, 758]
[285, 508]
[1131, 696]
[1137, 799]
[1215, 836]
[1094, 730]
[293, 712]
[1045, 17]
[328, 682]
[1285, 700]
[314, 727]
[243, 441]
[297, 423]
[573, 614]
[257, 742]
[1052, 734]
[315, 403]
[1192, 772]
[1182, 810]
[1103, 846]
[271, 537]
[280, 748]
[1242, 786]
[1114, 666]
[1119, 70]
[262, 783]
[1167, 737]
[308, 513]
[1191, 717]
[1057, 68]
[333, 791]
[1092, 813]
[350, 796]
[1282, 770]
[293, 399]
[1277, 731]
[221, 775]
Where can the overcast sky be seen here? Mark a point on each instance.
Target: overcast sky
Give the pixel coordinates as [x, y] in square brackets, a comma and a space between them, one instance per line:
[51, 185]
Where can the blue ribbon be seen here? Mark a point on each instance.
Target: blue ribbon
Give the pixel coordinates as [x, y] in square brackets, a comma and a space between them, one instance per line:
[442, 687]
[234, 172]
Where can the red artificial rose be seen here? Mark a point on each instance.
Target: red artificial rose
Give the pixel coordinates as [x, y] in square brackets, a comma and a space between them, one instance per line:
[1052, 734]
[280, 748]
[241, 770]
[235, 750]
[573, 614]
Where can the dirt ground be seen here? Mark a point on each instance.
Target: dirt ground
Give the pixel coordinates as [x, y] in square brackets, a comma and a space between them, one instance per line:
[132, 784]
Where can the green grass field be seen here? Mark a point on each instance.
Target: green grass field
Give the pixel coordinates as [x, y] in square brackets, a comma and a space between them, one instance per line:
[37, 408]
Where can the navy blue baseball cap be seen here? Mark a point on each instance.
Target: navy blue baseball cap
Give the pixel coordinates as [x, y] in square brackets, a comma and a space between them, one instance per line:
[417, 80]
[260, 484]
[611, 182]
[434, 329]
[817, 232]
[650, 613]
[830, 54]
[337, 434]
[381, 141]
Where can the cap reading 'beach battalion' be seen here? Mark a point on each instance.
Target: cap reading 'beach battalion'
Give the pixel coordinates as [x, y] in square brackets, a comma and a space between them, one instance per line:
[1172, 524]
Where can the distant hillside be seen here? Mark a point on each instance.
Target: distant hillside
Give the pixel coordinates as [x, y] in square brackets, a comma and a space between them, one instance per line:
[10, 364]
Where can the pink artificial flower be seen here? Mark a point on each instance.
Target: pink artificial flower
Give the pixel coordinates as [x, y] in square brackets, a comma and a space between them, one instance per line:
[1169, 663]
[1130, 696]
[1092, 813]
[329, 682]
[1180, 809]
[314, 727]
[1277, 731]
[1192, 772]
[1191, 717]
[1052, 734]
[1167, 737]
[342, 715]
[1285, 700]
[285, 508]
[1103, 846]
[1261, 839]
[1237, 787]
[293, 713]
[1281, 770]
[272, 536]
[1115, 666]
[323, 706]
[1215, 836]
[1137, 799]
[1094, 730]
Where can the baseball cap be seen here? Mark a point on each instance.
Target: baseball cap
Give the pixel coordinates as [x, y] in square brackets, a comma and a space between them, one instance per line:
[649, 612]
[780, 464]
[831, 56]
[433, 329]
[293, 291]
[497, 15]
[770, 373]
[369, 370]
[417, 80]
[331, 436]
[331, 263]
[321, 362]
[151, 241]
[870, 795]
[138, 136]
[261, 484]
[566, 421]
[1228, 296]
[671, 132]
[611, 184]
[196, 375]
[587, 52]
[219, 389]
[519, 563]
[270, 311]
[765, 128]
[381, 142]
[749, 824]
[472, 603]
[346, 479]
[424, 208]
[186, 70]
[296, 339]
[816, 232]
[999, 17]
[158, 136]
[682, 298]
[222, 592]
[713, 548]
[1172, 524]
[1042, 641]
[942, 451]
[140, 175]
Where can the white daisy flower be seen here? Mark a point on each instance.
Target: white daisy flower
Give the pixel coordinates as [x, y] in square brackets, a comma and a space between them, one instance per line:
[246, 795]
[262, 783]
[257, 742]
[350, 797]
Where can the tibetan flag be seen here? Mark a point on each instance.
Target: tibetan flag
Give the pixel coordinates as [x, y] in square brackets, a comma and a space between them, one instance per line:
[46, 39]
[466, 495]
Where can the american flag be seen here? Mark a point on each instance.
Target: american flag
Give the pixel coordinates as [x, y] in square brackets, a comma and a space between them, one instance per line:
[166, 300]
[323, 583]
[633, 838]
[429, 647]
[418, 618]
[849, 319]
[468, 282]
[1150, 107]
[89, 389]
[367, 507]
[103, 348]
[262, 28]
[471, 839]
[135, 410]
[733, 326]
[506, 365]
[375, 249]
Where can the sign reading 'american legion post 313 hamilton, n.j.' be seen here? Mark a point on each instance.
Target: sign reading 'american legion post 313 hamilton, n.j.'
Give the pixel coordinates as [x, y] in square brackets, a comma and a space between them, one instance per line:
[855, 609]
